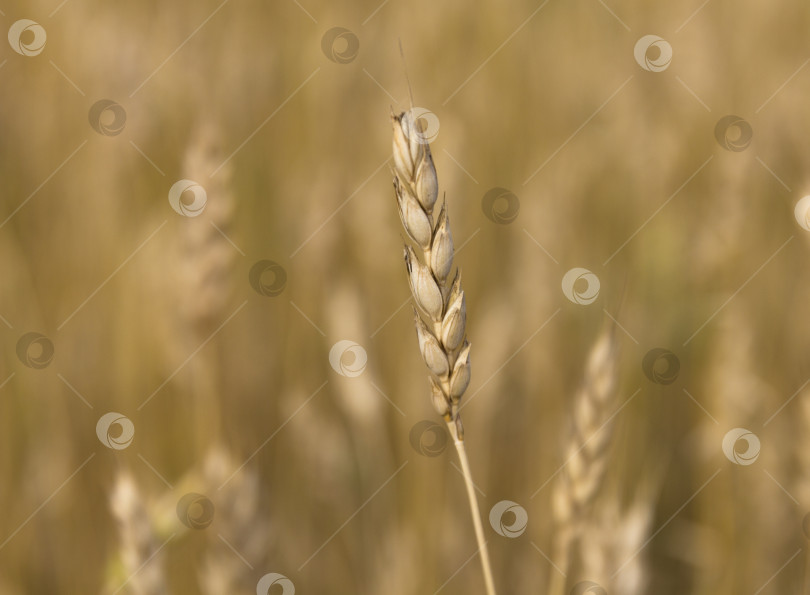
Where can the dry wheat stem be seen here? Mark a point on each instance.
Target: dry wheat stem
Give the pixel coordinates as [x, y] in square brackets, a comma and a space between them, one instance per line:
[476, 515]
[441, 333]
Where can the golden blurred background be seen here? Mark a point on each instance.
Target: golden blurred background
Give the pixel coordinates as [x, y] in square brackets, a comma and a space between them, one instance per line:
[198, 235]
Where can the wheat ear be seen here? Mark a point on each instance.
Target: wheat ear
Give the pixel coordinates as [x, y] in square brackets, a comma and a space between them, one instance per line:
[586, 450]
[137, 541]
[239, 520]
[441, 334]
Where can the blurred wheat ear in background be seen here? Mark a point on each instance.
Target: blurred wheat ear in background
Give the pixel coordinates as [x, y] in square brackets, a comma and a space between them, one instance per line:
[139, 568]
[443, 344]
[585, 451]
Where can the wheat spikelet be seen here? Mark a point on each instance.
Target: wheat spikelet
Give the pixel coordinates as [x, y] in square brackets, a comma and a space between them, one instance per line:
[586, 449]
[137, 542]
[441, 333]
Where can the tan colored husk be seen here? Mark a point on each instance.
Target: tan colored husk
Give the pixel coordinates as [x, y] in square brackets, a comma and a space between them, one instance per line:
[432, 352]
[426, 291]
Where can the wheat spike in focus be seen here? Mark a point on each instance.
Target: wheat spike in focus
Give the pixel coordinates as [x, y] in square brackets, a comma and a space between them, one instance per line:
[441, 339]
[441, 329]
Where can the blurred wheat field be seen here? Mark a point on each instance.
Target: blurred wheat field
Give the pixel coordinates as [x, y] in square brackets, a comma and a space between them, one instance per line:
[212, 255]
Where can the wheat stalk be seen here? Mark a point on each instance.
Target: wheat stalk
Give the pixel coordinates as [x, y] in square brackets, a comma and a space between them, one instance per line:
[441, 334]
[586, 451]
